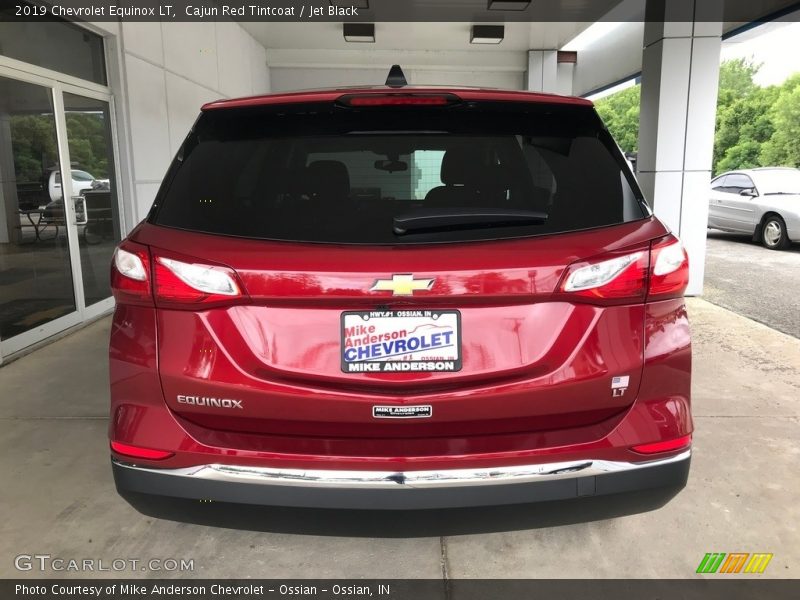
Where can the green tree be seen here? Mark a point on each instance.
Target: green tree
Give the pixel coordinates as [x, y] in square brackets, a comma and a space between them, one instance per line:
[33, 140]
[736, 79]
[783, 146]
[620, 113]
[743, 116]
[755, 126]
[744, 124]
[87, 143]
[33, 146]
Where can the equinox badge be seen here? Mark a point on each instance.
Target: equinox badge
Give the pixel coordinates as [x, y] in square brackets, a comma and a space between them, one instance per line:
[402, 285]
[206, 401]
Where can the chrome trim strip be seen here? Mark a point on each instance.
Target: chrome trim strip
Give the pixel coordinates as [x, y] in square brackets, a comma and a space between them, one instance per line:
[324, 478]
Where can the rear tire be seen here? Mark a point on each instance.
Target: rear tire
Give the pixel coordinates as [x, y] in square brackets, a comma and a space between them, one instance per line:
[773, 233]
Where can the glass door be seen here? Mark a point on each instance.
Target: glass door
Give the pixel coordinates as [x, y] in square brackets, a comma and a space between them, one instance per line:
[37, 270]
[57, 231]
[94, 194]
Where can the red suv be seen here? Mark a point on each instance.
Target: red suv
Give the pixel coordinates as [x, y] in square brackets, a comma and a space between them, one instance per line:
[398, 297]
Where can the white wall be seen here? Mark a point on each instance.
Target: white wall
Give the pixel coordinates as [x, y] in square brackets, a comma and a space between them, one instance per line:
[609, 59]
[167, 71]
[565, 74]
[542, 73]
[296, 69]
[294, 78]
[680, 71]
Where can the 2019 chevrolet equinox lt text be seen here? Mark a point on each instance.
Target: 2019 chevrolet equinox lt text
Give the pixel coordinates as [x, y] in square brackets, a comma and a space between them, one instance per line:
[397, 297]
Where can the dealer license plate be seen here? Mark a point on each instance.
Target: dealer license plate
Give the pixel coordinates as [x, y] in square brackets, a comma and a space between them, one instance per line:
[401, 341]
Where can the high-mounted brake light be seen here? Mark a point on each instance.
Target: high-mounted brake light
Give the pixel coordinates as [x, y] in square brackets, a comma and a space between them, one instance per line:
[178, 281]
[666, 446]
[369, 100]
[139, 452]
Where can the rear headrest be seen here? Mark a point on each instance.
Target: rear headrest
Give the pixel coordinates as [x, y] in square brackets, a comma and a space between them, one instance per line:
[328, 179]
[461, 165]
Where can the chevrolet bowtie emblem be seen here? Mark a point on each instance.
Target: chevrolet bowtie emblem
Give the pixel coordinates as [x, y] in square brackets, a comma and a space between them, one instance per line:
[401, 285]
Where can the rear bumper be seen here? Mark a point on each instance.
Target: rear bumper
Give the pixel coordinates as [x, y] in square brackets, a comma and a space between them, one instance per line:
[409, 490]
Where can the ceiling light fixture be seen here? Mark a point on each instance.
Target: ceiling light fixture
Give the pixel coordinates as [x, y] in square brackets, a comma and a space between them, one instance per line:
[359, 4]
[359, 32]
[487, 34]
[519, 5]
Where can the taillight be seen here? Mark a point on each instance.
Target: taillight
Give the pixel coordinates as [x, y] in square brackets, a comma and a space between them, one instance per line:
[130, 274]
[140, 452]
[669, 274]
[665, 446]
[139, 278]
[619, 277]
[183, 282]
[656, 272]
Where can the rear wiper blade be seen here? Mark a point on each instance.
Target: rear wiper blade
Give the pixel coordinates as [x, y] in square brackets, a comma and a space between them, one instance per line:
[465, 218]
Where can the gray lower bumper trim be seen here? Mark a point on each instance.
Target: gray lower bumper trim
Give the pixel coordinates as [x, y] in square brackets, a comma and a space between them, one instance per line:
[411, 489]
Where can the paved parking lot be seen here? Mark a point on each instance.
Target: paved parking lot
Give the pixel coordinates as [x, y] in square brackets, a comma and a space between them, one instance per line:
[58, 495]
[753, 281]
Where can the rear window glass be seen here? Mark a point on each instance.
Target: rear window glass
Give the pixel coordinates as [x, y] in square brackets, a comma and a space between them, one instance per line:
[325, 173]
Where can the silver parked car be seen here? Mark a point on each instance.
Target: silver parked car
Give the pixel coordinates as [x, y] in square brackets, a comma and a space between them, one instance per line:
[764, 203]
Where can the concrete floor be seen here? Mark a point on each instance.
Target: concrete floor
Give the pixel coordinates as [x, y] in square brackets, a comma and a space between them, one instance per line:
[58, 497]
[753, 281]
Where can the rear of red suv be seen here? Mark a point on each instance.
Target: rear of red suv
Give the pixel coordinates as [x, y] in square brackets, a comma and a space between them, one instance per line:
[399, 298]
